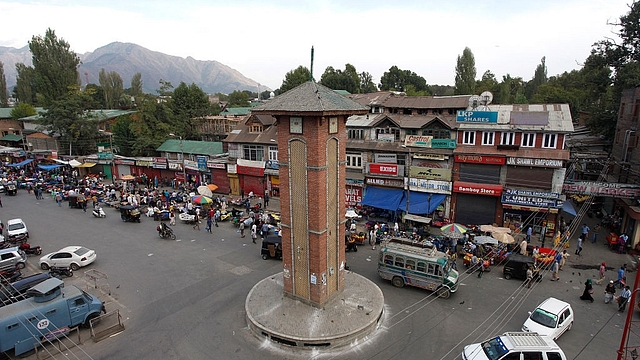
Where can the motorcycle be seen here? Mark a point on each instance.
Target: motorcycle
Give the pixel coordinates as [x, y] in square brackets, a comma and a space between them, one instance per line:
[10, 275]
[30, 250]
[231, 214]
[165, 232]
[99, 213]
[17, 239]
[60, 271]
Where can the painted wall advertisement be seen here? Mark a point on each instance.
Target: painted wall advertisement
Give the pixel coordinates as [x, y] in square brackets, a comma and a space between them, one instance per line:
[353, 196]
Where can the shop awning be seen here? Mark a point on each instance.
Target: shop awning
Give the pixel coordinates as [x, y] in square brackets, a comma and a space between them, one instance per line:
[86, 165]
[49, 167]
[529, 208]
[21, 163]
[381, 198]
[568, 208]
[416, 218]
[421, 202]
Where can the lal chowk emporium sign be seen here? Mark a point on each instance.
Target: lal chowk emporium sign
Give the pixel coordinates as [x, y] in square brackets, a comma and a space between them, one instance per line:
[629, 191]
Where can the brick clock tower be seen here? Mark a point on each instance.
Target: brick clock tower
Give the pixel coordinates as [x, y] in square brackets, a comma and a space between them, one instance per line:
[311, 121]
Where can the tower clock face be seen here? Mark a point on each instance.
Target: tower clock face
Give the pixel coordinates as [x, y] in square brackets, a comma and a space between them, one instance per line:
[333, 125]
[295, 125]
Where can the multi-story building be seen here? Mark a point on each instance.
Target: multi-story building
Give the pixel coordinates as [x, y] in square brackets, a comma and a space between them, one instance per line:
[509, 165]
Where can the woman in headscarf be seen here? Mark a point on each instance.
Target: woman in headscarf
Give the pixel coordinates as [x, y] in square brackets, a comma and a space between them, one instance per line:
[588, 290]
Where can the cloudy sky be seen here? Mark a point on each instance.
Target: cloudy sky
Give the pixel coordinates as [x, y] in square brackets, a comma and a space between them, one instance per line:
[264, 40]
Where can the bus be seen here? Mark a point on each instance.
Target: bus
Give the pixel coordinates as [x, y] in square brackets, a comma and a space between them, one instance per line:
[419, 264]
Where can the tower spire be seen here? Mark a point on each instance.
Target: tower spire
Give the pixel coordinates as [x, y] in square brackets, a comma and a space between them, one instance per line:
[311, 69]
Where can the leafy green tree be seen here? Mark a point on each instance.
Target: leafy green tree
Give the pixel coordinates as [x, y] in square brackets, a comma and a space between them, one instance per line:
[341, 80]
[396, 80]
[465, 80]
[221, 96]
[111, 82]
[166, 88]
[55, 65]
[22, 110]
[442, 90]
[366, 83]
[97, 93]
[4, 96]
[151, 127]
[265, 95]
[510, 91]
[487, 83]
[25, 89]
[69, 117]
[294, 78]
[238, 99]
[136, 85]
[539, 78]
[123, 135]
[190, 104]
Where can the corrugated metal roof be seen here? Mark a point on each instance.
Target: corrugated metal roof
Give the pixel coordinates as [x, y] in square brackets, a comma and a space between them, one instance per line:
[427, 102]
[191, 147]
[237, 111]
[5, 113]
[559, 118]
[241, 135]
[11, 137]
[311, 97]
[263, 119]
[363, 120]
[371, 99]
[96, 114]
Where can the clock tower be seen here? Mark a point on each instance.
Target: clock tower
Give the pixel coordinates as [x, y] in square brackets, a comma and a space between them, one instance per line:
[312, 135]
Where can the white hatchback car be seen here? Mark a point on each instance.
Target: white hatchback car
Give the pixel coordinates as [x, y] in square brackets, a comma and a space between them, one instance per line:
[73, 257]
[16, 227]
[551, 318]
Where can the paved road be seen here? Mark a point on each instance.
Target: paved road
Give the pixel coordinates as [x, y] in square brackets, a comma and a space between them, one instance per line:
[184, 299]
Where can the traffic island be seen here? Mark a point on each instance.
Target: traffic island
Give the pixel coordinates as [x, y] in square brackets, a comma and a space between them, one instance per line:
[348, 318]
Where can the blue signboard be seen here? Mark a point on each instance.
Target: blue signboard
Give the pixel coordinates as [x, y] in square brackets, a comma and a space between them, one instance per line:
[477, 116]
[202, 163]
[532, 201]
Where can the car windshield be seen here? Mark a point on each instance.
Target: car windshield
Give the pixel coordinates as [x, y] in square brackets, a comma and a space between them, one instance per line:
[494, 348]
[81, 251]
[544, 318]
[16, 226]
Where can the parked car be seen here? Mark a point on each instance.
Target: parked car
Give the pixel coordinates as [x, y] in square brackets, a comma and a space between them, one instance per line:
[16, 227]
[73, 257]
[551, 318]
[11, 258]
[17, 290]
[512, 345]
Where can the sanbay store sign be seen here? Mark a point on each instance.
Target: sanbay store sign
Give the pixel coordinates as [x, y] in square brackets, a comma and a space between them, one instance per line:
[430, 173]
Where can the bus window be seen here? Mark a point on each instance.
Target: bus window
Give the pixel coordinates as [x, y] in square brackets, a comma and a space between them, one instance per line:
[399, 261]
[431, 269]
[422, 267]
[438, 270]
[388, 259]
[411, 264]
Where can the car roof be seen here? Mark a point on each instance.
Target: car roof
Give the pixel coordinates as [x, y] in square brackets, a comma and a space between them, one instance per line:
[554, 305]
[69, 248]
[14, 221]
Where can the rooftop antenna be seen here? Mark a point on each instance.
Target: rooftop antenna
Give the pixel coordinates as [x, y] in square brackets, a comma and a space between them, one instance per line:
[311, 76]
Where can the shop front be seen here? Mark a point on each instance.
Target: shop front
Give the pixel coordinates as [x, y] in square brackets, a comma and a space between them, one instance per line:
[123, 167]
[538, 209]
[476, 204]
[219, 177]
[251, 176]
[273, 179]
[383, 194]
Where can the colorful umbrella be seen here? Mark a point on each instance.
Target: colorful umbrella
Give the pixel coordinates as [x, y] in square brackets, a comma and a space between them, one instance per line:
[212, 187]
[128, 177]
[201, 200]
[503, 237]
[454, 228]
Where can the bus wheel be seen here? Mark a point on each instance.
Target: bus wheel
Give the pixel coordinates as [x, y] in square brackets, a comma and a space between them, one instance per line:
[444, 292]
[397, 281]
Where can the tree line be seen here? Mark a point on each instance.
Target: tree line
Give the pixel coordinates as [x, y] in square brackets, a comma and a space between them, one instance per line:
[53, 82]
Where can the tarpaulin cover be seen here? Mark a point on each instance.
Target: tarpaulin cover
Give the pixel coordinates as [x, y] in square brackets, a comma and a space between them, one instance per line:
[21, 163]
[387, 199]
[49, 167]
[568, 208]
[419, 202]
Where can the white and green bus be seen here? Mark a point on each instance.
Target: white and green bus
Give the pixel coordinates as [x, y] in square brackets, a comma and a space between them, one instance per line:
[419, 264]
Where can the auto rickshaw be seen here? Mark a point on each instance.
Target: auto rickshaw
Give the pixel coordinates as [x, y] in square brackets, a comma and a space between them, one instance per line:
[516, 267]
[76, 201]
[129, 214]
[271, 248]
[11, 189]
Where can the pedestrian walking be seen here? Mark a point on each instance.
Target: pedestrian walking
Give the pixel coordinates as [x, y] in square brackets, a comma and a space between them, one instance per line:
[603, 268]
[254, 232]
[84, 205]
[595, 233]
[529, 279]
[209, 223]
[563, 260]
[241, 228]
[196, 220]
[1, 202]
[579, 245]
[481, 269]
[623, 299]
[622, 277]
[588, 291]
[609, 292]
[172, 218]
[266, 199]
[554, 271]
[585, 230]
[264, 231]
[59, 199]
[529, 232]
[216, 217]
[523, 247]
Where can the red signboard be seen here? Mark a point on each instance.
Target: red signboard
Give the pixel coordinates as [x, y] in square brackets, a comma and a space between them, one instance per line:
[481, 159]
[384, 169]
[353, 196]
[477, 189]
[251, 171]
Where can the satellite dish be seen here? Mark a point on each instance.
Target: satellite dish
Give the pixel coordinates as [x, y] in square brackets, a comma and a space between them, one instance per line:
[485, 98]
[474, 101]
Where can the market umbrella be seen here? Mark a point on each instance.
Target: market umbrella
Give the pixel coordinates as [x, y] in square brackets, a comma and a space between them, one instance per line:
[492, 229]
[201, 200]
[503, 237]
[128, 178]
[212, 187]
[351, 214]
[452, 235]
[481, 240]
[204, 190]
[454, 228]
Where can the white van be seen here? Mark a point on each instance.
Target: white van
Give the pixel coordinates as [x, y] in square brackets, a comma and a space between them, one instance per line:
[514, 346]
